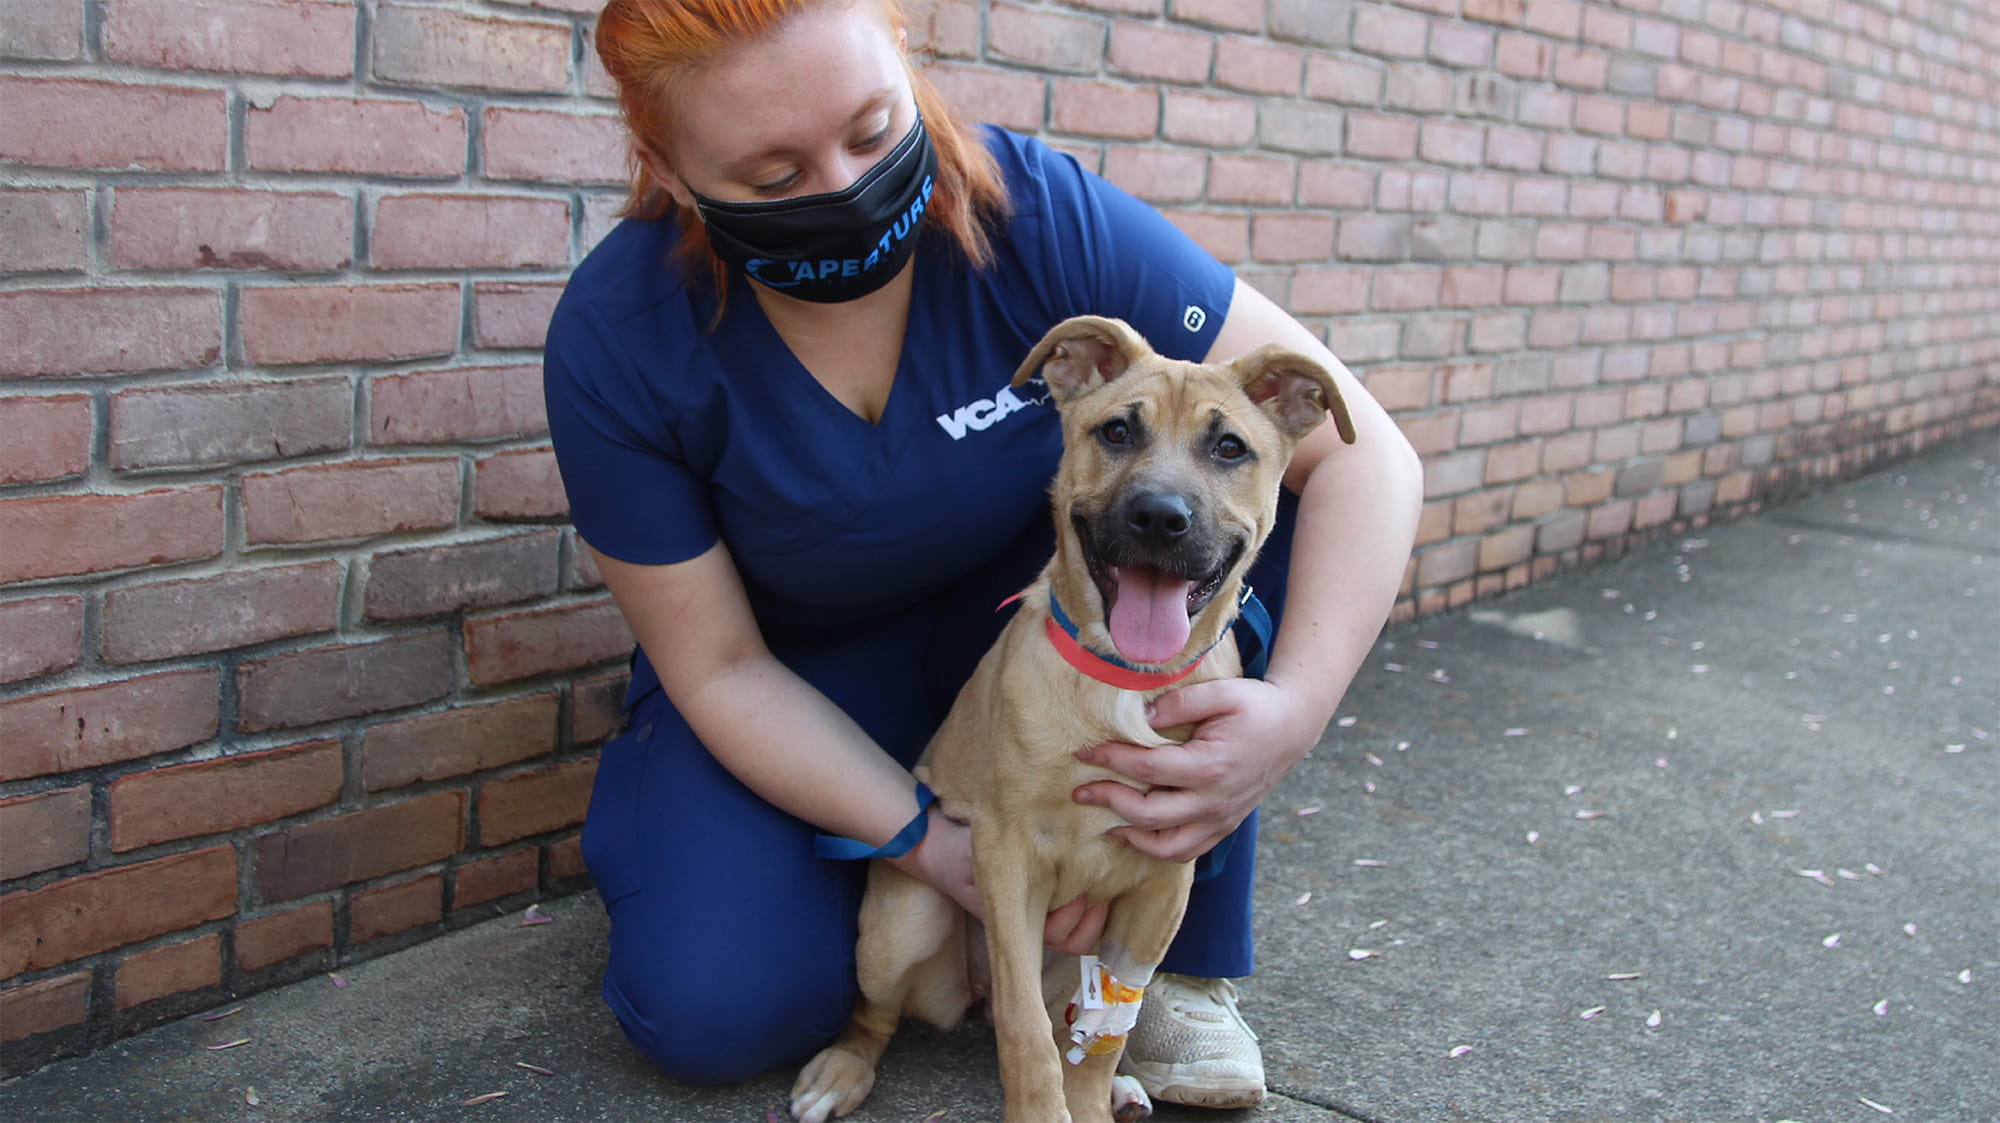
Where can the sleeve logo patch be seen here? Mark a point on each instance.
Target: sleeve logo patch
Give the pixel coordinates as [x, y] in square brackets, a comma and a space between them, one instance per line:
[1194, 317]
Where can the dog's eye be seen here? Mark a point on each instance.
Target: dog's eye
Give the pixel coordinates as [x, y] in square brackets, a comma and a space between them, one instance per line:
[1115, 432]
[1230, 447]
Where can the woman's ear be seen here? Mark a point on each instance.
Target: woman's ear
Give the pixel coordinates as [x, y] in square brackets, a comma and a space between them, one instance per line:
[664, 176]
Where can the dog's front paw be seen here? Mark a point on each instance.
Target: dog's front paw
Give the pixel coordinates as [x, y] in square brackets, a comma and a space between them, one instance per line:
[1129, 1102]
[833, 1084]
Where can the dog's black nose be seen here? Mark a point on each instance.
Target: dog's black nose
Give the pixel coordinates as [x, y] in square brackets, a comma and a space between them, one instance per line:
[1158, 518]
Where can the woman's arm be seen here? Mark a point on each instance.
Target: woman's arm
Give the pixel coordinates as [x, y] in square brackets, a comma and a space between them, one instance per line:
[770, 728]
[1357, 519]
[783, 738]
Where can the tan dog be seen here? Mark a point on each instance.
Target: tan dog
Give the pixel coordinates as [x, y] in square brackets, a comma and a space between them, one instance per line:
[1167, 488]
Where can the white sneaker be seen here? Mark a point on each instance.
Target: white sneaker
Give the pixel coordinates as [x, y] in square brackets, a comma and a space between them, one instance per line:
[1191, 1046]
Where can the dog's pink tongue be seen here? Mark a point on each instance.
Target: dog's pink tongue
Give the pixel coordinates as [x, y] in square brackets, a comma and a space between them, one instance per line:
[1149, 620]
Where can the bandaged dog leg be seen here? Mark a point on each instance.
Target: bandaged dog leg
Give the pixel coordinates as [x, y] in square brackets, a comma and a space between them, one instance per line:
[1106, 1005]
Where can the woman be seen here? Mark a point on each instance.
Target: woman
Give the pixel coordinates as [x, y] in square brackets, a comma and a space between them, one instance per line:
[777, 393]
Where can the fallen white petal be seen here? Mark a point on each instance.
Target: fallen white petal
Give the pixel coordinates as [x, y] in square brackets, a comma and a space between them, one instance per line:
[1347, 722]
[1591, 1013]
[1653, 1020]
[1784, 814]
[1361, 953]
[1534, 836]
[1832, 941]
[1592, 814]
[1884, 1109]
[1965, 976]
[1623, 976]
[1881, 1008]
[1304, 897]
[1459, 1051]
[1910, 929]
[1850, 875]
[1369, 862]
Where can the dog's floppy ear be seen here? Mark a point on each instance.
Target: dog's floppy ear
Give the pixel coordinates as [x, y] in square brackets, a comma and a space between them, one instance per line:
[1294, 390]
[1082, 352]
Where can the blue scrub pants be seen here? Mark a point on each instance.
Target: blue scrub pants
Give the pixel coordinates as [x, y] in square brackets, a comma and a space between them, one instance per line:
[732, 943]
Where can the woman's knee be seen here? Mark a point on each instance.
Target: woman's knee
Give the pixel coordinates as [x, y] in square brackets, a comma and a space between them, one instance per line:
[721, 1026]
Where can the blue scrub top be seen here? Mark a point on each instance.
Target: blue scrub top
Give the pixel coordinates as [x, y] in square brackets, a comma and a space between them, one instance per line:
[672, 436]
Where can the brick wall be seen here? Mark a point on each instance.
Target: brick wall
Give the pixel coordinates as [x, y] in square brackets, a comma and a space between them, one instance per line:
[300, 663]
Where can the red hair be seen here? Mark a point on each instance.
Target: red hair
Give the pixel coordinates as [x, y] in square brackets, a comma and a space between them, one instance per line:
[648, 47]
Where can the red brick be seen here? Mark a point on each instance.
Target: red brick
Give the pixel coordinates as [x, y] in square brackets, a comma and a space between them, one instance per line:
[482, 574]
[1453, 561]
[44, 831]
[1015, 101]
[355, 136]
[1258, 67]
[509, 315]
[308, 38]
[385, 911]
[1442, 143]
[39, 636]
[343, 681]
[65, 730]
[69, 123]
[416, 46]
[457, 405]
[1160, 53]
[1507, 13]
[334, 323]
[534, 803]
[1459, 46]
[44, 231]
[459, 741]
[162, 972]
[1331, 185]
[1390, 33]
[1237, 15]
[566, 858]
[108, 331]
[1291, 237]
[1381, 138]
[550, 146]
[1225, 236]
[231, 423]
[1158, 175]
[596, 707]
[1223, 122]
[1250, 179]
[48, 438]
[469, 232]
[360, 846]
[1558, 19]
[521, 484]
[238, 609]
[110, 908]
[493, 878]
[1508, 547]
[49, 30]
[518, 645]
[230, 228]
[1329, 291]
[1103, 109]
[1044, 39]
[213, 796]
[63, 535]
[1402, 290]
[45, 1006]
[285, 935]
[1342, 80]
[350, 500]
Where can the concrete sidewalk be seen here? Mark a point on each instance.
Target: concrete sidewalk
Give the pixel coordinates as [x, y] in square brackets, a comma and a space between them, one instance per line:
[1710, 833]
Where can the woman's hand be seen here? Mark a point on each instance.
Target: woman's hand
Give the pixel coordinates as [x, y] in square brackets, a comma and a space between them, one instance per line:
[1248, 735]
[943, 860]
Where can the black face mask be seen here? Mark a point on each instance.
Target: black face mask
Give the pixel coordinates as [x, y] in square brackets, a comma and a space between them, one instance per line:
[836, 246]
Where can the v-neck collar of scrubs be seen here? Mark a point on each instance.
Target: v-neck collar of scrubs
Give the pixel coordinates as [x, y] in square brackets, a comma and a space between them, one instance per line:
[751, 322]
